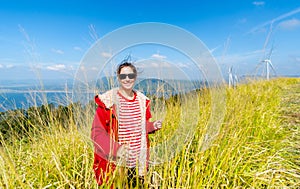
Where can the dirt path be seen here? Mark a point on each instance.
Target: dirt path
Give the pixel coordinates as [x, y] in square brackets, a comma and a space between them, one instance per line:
[290, 104]
[290, 113]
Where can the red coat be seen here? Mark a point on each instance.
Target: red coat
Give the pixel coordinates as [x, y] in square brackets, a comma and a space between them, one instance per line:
[104, 134]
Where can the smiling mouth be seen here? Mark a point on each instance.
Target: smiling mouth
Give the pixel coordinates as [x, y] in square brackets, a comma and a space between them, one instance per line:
[127, 83]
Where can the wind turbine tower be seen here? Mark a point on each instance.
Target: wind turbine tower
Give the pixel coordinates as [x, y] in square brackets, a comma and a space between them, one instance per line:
[269, 65]
[232, 78]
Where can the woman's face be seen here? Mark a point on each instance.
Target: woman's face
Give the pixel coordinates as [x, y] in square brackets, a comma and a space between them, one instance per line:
[127, 81]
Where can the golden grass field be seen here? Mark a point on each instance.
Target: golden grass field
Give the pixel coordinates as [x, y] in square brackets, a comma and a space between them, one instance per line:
[258, 146]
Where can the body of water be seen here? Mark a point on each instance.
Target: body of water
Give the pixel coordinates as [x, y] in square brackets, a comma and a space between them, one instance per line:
[17, 100]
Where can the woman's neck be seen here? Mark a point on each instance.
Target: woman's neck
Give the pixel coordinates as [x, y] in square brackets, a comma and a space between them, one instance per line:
[127, 93]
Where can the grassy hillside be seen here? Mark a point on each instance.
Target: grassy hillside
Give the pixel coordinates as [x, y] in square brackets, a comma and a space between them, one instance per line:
[257, 146]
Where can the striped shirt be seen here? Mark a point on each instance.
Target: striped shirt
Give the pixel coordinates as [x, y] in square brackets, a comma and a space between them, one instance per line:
[130, 127]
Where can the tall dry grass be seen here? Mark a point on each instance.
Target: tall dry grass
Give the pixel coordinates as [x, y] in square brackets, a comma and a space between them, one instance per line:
[257, 146]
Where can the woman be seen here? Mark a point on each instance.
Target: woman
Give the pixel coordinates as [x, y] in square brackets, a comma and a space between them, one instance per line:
[120, 128]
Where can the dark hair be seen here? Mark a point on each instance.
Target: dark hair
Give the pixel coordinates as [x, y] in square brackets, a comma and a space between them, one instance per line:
[126, 64]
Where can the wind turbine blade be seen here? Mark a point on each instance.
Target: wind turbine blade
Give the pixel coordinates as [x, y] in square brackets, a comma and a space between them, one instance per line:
[271, 65]
[230, 69]
[236, 78]
[270, 53]
[267, 39]
[258, 66]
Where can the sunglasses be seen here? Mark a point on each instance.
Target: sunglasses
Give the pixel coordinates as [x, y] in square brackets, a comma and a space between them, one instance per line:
[130, 76]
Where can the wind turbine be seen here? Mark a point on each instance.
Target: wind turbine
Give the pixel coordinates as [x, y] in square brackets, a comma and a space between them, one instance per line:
[232, 78]
[268, 65]
[267, 61]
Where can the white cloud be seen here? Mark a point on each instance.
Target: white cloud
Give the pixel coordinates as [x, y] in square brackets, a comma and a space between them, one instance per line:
[159, 56]
[77, 48]
[155, 64]
[56, 67]
[277, 19]
[106, 54]
[289, 24]
[296, 60]
[57, 51]
[148, 64]
[244, 62]
[72, 67]
[35, 66]
[258, 3]
[183, 65]
[8, 63]
[10, 66]
[94, 68]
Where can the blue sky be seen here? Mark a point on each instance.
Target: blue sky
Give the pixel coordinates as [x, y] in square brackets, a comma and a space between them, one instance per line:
[48, 38]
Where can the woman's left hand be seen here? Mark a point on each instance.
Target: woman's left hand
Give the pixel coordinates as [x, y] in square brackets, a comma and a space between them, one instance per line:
[157, 124]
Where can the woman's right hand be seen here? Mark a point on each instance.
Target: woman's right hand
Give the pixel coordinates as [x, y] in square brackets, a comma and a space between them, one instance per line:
[122, 153]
